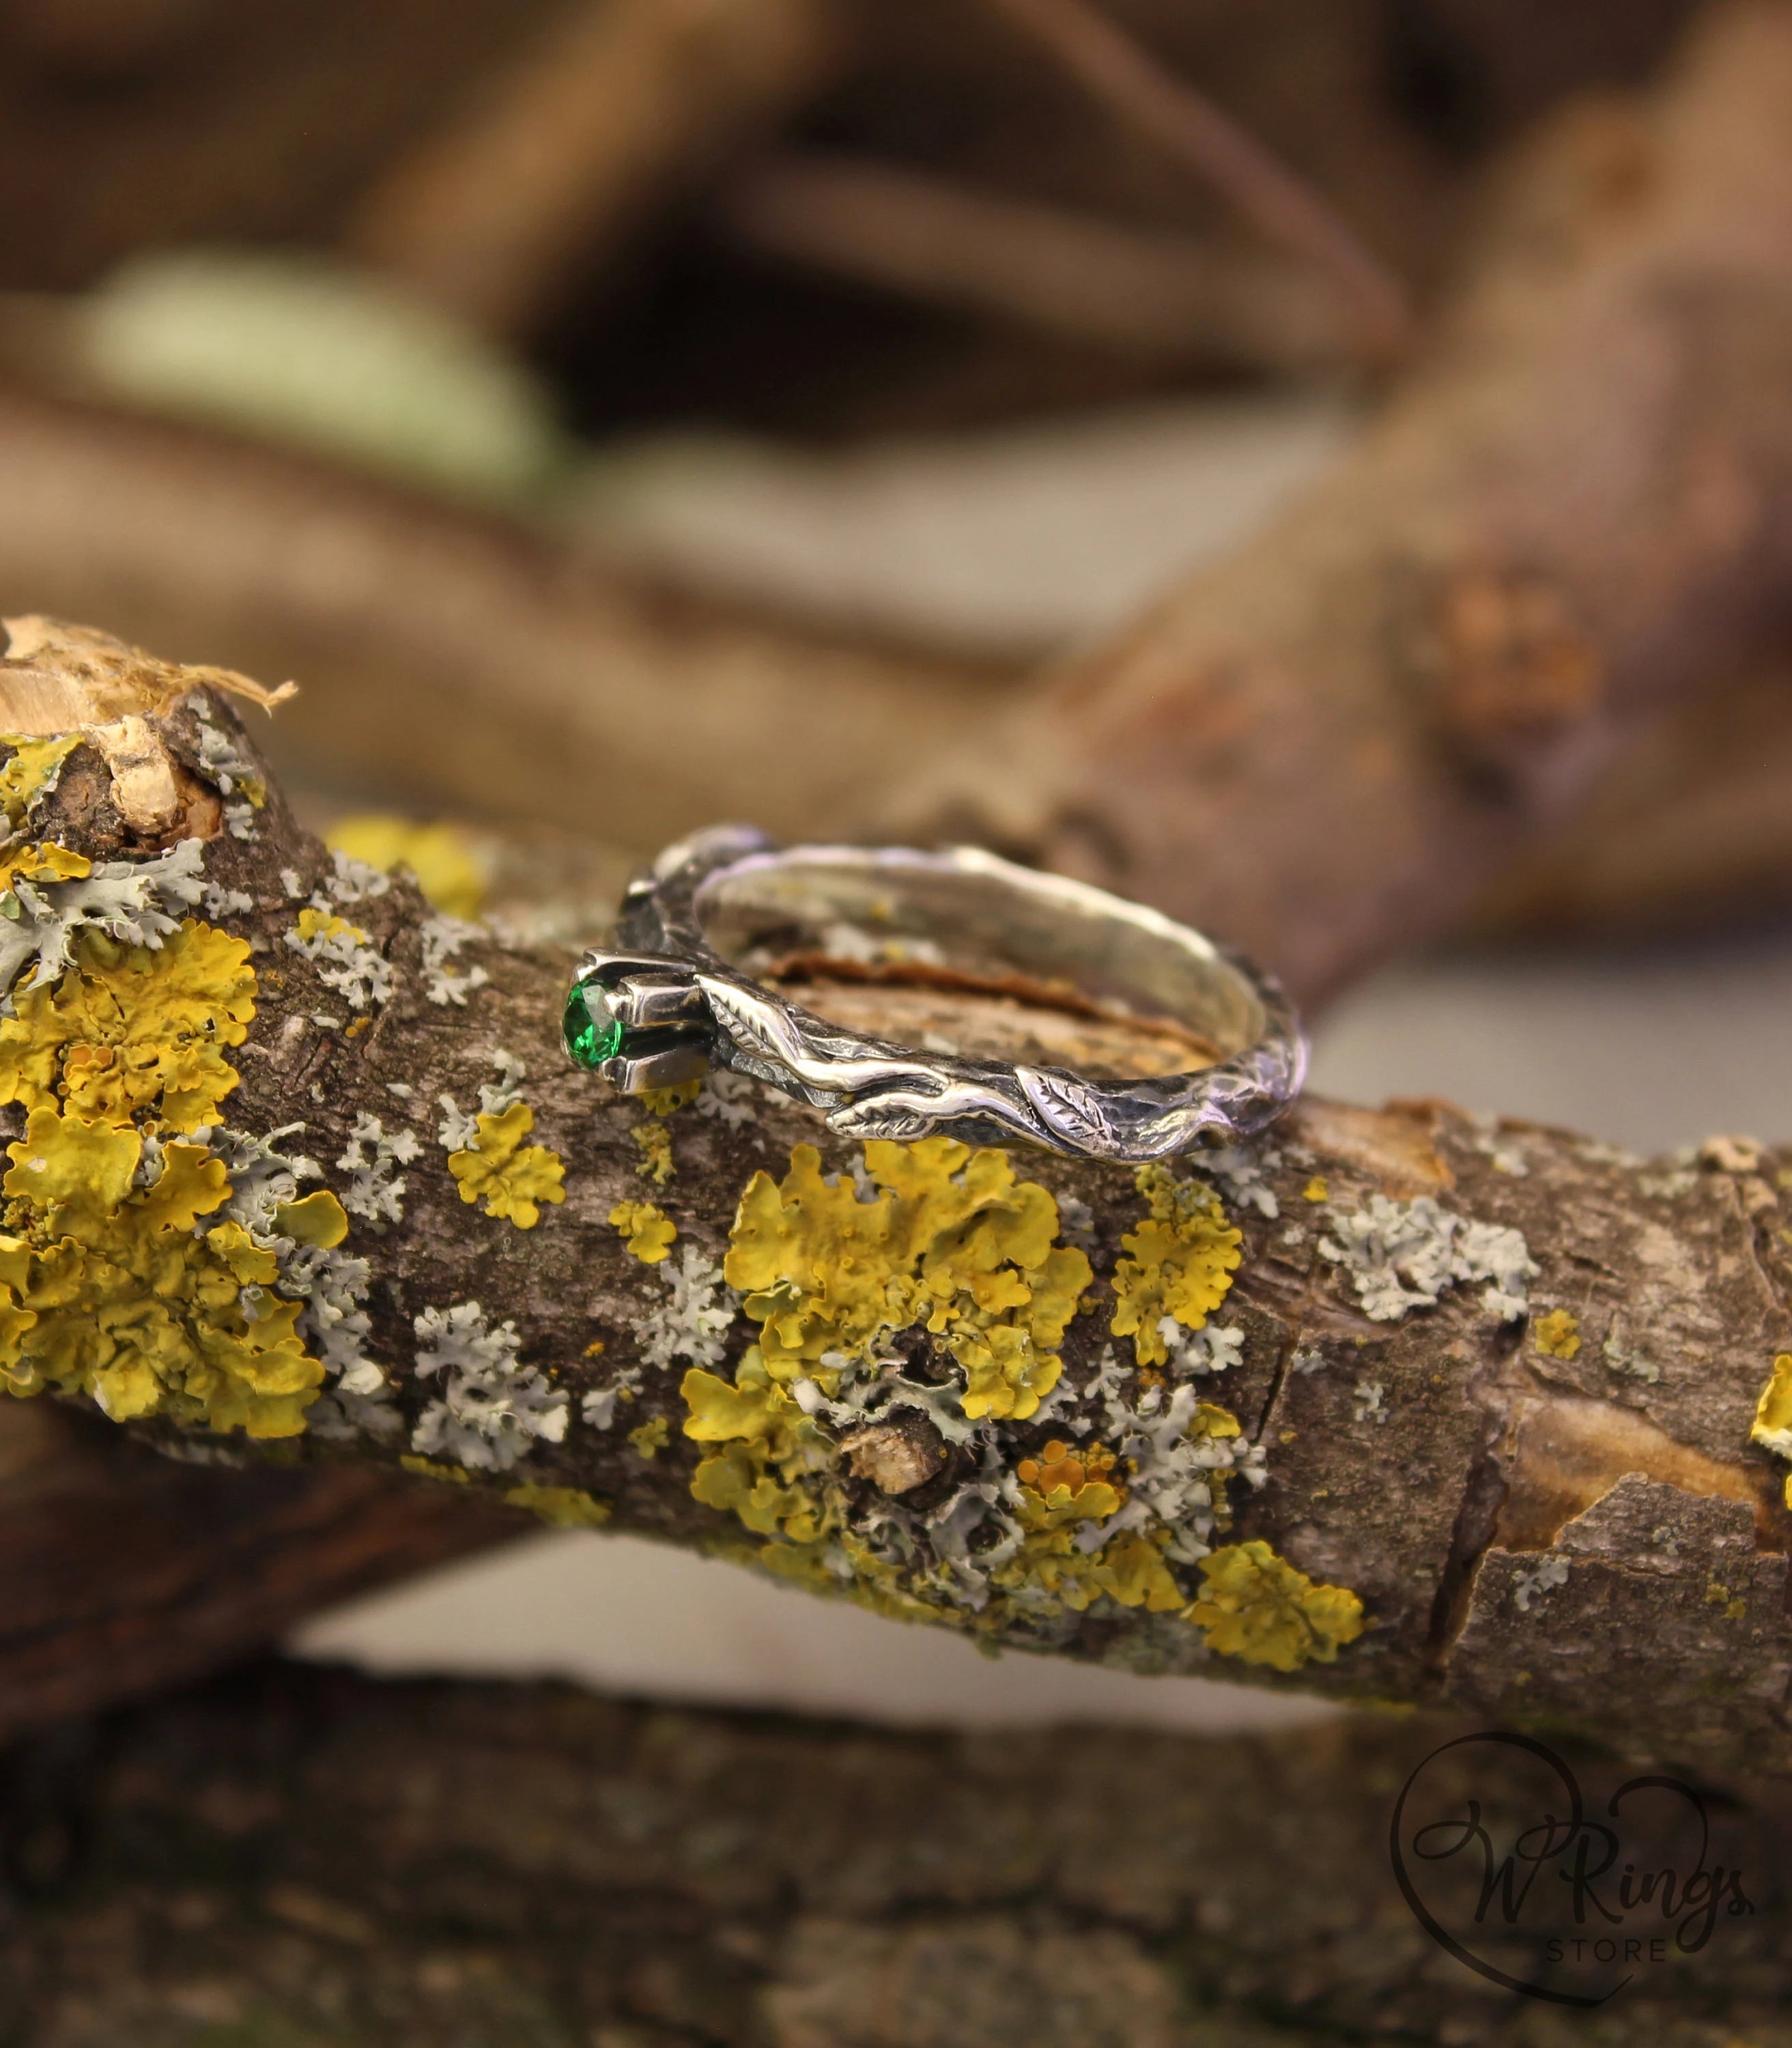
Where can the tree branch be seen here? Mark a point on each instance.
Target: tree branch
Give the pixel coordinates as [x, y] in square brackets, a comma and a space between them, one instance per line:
[132, 1572]
[1117, 70]
[1165, 296]
[435, 1866]
[468, 663]
[1693, 827]
[1580, 511]
[1326, 745]
[501, 215]
[1177, 1456]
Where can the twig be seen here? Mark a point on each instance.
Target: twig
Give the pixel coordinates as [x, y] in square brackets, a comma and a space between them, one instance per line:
[1160, 294]
[503, 213]
[1110, 64]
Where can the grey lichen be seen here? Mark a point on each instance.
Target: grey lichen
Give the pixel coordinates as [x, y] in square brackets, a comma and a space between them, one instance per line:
[233, 777]
[371, 1158]
[332, 1284]
[492, 1409]
[139, 903]
[1400, 1256]
[693, 1319]
[442, 938]
[1531, 1583]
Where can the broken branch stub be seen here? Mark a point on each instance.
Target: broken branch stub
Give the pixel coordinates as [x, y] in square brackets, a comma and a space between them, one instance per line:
[298, 1170]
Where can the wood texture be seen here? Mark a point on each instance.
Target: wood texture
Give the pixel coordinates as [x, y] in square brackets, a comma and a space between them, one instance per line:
[132, 1572]
[293, 1857]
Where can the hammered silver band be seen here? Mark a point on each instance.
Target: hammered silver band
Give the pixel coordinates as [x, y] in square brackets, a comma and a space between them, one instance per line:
[677, 998]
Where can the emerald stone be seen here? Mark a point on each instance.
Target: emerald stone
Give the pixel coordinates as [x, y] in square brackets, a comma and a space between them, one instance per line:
[592, 1035]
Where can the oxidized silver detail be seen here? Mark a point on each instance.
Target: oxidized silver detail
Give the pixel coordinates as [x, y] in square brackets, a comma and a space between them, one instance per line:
[665, 975]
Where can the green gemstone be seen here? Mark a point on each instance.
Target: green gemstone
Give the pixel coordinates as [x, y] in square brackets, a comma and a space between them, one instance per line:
[592, 1035]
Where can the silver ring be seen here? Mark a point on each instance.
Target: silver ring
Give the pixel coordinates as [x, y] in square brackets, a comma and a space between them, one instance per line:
[674, 996]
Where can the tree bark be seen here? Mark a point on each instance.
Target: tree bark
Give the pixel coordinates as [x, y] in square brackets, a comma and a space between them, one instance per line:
[1548, 1354]
[132, 1572]
[1692, 829]
[298, 1856]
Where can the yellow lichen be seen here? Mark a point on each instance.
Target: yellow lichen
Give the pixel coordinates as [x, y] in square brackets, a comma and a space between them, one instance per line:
[1180, 1262]
[649, 1233]
[662, 1102]
[111, 1284]
[1256, 1606]
[560, 1507]
[428, 1468]
[952, 1241]
[1717, 1594]
[651, 1438]
[128, 1029]
[767, 1444]
[109, 1290]
[1773, 1412]
[318, 1219]
[447, 869]
[1557, 1335]
[315, 923]
[1061, 1488]
[1316, 1191]
[936, 1236]
[45, 861]
[512, 1179]
[32, 772]
[655, 1141]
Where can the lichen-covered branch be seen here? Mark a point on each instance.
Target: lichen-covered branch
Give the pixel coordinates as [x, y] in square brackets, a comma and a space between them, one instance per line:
[1397, 1404]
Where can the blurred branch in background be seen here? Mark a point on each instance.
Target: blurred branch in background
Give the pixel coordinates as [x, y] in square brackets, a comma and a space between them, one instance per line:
[1165, 295]
[1122, 74]
[623, 105]
[558, 647]
[131, 1570]
[296, 1857]
[1578, 511]
[1693, 827]
[452, 659]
